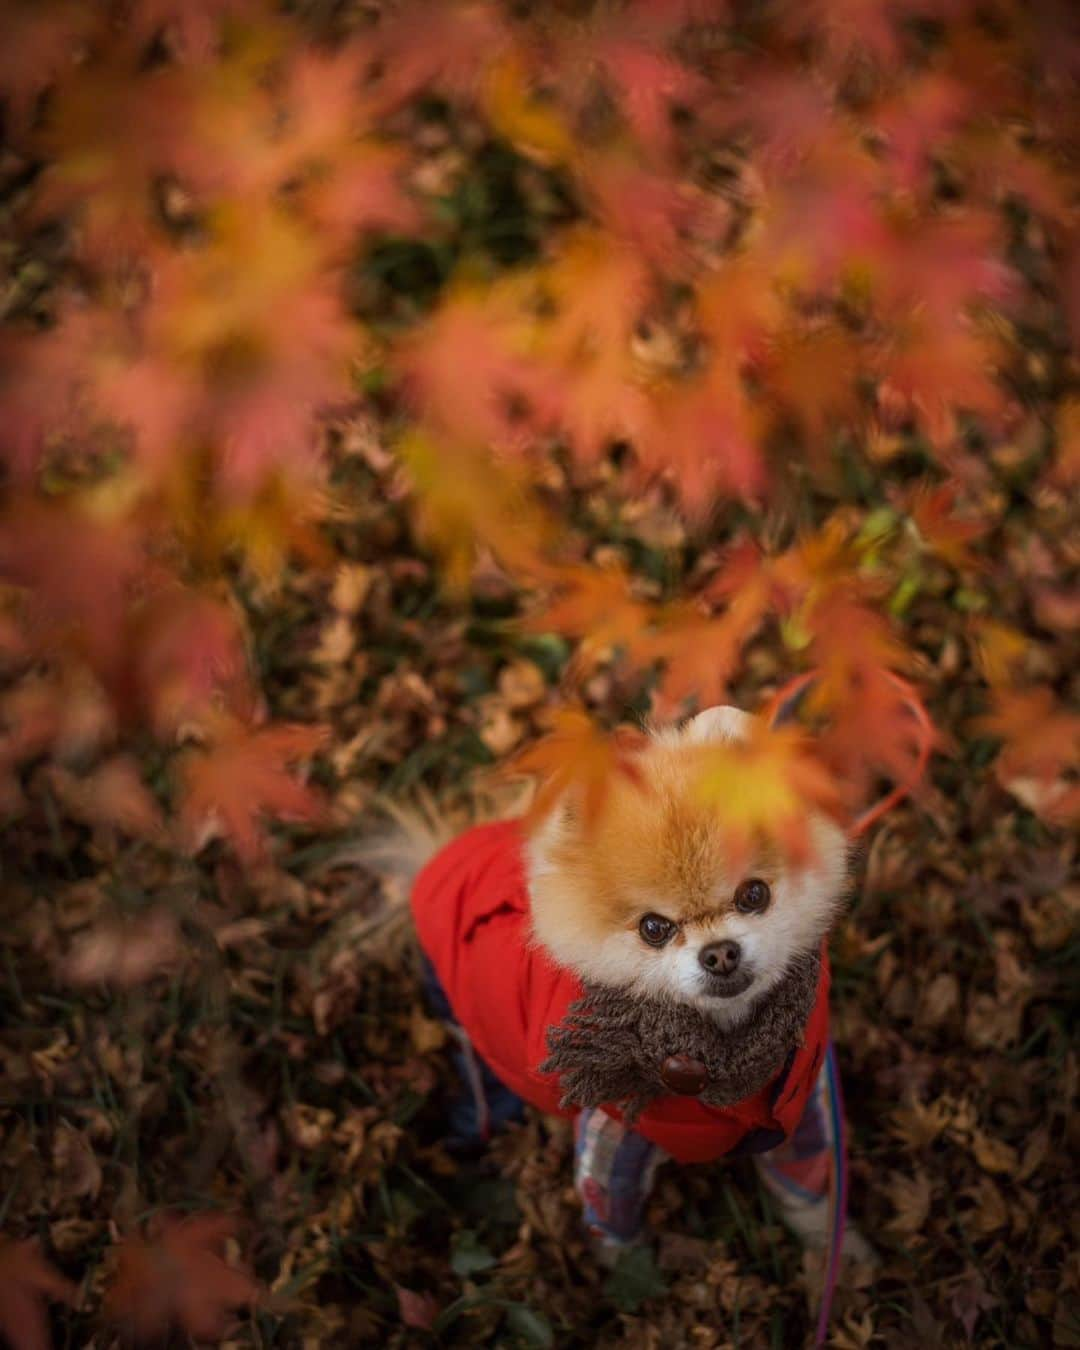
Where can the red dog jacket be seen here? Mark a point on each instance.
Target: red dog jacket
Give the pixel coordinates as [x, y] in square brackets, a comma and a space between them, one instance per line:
[471, 905]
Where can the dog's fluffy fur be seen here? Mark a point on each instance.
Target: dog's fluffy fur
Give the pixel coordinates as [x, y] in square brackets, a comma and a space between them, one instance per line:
[661, 851]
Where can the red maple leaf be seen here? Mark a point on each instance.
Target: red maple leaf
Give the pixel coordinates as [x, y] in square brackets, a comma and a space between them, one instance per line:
[448, 47]
[646, 82]
[940, 529]
[177, 1276]
[40, 40]
[655, 213]
[847, 30]
[813, 376]
[870, 728]
[190, 658]
[933, 371]
[466, 373]
[194, 25]
[80, 574]
[226, 788]
[915, 122]
[27, 1280]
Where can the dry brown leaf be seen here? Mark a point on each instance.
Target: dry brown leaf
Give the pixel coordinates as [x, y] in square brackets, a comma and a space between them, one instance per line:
[994, 1155]
[910, 1197]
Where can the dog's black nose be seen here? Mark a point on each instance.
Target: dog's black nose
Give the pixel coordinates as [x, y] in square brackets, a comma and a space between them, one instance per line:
[721, 958]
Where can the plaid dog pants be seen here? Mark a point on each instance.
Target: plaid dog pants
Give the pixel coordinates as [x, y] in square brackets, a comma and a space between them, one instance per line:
[614, 1166]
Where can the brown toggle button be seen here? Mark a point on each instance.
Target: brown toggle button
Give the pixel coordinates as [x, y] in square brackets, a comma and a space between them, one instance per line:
[684, 1075]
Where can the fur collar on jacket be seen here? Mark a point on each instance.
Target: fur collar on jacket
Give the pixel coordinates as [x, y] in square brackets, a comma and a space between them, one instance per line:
[615, 1048]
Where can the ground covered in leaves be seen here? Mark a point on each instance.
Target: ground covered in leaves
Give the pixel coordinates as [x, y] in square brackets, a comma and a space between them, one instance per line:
[221, 1101]
[257, 1059]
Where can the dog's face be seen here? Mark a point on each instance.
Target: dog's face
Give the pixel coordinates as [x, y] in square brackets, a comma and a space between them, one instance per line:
[647, 899]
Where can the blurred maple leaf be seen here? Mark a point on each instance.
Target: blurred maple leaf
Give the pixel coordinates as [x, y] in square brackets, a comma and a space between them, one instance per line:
[577, 757]
[1000, 650]
[932, 509]
[26, 1281]
[598, 286]
[111, 135]
[646, 82]
[1041, 749]
[190, 656]
[813, 376]
[931, 372]
[193, 25]
[533, 125]
[848, 31]
[112, 795]
[421, 47]
[764, 789]
[81, 573]
[243, 774]
[596, 605]
[177, 1277]
[257, 316]
[467, 504]
[701, 653]
[870, 724]
[40, 40]
[466, 369]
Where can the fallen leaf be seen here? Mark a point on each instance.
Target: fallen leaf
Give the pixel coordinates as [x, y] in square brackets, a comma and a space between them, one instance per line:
[417, 1310]
[27, 1280]
[177, 1276]
[224, 789]
[911, 1197]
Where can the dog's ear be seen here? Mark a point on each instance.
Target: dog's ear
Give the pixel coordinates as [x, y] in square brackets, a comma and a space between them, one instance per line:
[714, 726]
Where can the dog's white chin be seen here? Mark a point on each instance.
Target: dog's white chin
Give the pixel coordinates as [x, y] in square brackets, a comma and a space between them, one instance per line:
[728, 1012]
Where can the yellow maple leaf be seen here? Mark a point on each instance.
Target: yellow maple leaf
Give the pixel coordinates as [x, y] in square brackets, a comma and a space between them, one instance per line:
[765, 788]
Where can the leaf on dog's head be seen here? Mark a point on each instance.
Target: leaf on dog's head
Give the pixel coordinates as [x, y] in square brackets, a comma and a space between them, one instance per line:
[765, 789]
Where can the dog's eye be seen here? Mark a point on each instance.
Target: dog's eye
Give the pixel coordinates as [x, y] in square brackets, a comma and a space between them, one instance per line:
[655, 929]
[752, 896]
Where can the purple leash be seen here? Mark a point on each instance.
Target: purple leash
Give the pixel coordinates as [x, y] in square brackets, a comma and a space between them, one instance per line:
[838, 1187]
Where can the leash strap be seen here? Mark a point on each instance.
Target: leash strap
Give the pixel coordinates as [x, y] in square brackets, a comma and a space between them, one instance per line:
[838, 1188]
[784, 708]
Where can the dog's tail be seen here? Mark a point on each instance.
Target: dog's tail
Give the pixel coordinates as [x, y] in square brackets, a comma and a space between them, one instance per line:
[397, 843]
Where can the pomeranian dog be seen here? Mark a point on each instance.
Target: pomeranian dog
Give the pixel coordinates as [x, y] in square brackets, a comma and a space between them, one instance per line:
[623, 970]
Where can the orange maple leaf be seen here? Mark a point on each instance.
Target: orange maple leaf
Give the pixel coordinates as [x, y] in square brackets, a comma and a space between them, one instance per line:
[597, 606]
[577, 757]
[1040, 752]
[26, 1281]
[224, 789]
[813, 374]
[870, 728]
[598, 286]
[707, 434]
[177, 1276]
